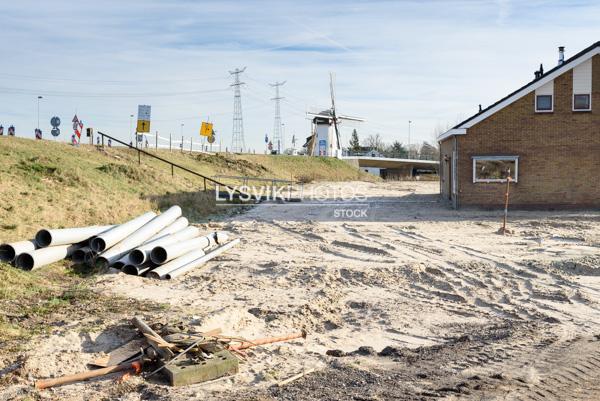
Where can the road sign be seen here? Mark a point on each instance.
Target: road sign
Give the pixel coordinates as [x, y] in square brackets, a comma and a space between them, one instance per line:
[206, 129]
[143, 121]
[55, 121]
[211, 138]
[55, 132]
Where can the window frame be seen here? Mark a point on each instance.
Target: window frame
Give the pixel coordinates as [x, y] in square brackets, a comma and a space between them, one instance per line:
[544, 110]
[514, 179]
[589, 95]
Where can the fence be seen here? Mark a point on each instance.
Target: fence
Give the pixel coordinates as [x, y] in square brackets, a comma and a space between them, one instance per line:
[140, 151]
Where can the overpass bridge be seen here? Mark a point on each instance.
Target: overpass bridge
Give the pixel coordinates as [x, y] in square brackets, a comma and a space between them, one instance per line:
[392, 168]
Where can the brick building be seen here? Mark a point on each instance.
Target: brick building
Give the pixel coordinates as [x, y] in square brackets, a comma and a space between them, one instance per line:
[546, 135]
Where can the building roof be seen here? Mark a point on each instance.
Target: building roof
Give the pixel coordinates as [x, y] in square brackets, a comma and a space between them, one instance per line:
[585, 54]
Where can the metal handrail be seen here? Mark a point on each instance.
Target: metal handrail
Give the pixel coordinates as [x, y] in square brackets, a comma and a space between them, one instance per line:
[171, 163]
[246, 178]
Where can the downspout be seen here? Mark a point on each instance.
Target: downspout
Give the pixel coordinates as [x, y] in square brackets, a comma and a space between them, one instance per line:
[455, 174]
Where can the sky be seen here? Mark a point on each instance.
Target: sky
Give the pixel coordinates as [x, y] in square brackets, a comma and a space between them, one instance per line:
[428, 62]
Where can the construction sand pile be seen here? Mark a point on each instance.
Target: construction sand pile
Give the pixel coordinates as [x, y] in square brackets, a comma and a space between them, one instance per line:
[422, 276]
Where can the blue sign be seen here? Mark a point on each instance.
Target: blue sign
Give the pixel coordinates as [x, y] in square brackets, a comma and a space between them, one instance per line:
[322, 147]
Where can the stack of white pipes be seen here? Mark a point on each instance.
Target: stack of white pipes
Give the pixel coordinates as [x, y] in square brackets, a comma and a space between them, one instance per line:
[49, 246]
[162, 246]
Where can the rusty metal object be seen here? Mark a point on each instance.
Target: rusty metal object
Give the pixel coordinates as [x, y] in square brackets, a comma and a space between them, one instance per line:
[42, 384]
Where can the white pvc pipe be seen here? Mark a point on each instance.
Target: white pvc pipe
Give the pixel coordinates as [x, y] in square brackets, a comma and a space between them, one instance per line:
[163, 235]
[174, 227]
[119, 264]
[9, 252]
[202, 260]
[142, 253]
[161, 271]
[80, 255]
[137, 270]
[44, 256]
[164, 253]
[64, 236]
[138, 237]
[221, 237]
[115, 235]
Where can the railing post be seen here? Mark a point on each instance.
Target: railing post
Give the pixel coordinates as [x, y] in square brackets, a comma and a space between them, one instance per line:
[204, 184]
[170, 143]
[172, 172]
[102, 141]
[139, 156]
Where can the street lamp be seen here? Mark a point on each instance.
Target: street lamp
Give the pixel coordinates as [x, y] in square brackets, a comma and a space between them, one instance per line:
[38, 100]
[409, 122]
[131, 130]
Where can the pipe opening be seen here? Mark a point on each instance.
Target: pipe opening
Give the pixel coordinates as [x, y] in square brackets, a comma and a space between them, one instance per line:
[101, 262]
[89, 258]
[7, 253]
[118, 265]
[97, 244]
[130, 269]
[137, 257]
[152, 275]
[43, 238]
[158, 255]
[79, 256]
[25, 261]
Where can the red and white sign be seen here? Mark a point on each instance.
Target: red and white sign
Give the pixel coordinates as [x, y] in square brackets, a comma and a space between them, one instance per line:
[77, 126]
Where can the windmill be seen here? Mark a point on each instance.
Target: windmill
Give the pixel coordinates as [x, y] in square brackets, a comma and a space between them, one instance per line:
[325, 137]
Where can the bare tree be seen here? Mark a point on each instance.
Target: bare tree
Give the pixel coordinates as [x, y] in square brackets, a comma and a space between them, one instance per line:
[429, 152]
[374, 142]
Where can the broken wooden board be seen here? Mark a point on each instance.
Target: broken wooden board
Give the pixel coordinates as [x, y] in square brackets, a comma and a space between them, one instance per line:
[185, 372]
[121, 354]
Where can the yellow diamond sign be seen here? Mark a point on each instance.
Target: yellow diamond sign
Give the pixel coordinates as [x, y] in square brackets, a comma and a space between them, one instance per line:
[206, 129]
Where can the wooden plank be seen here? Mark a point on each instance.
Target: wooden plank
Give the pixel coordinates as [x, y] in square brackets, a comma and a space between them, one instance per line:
[121, 354]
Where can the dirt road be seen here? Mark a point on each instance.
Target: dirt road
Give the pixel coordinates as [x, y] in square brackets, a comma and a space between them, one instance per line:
[441, 305]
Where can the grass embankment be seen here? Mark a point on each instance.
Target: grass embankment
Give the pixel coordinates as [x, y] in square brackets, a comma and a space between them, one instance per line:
[52, 184]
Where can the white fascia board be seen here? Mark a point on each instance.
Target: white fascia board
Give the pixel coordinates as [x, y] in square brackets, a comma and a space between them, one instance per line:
[453, 131]
[525, 91]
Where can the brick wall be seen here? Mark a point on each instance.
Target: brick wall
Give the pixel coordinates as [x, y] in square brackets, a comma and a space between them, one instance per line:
[559, 152]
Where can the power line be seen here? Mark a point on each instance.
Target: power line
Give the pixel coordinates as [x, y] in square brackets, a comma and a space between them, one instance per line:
[106, 81]
[237, 133]
[18, 91]
[277, 137]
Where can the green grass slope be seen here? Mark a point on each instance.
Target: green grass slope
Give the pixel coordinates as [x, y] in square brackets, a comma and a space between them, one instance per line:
[53, 184]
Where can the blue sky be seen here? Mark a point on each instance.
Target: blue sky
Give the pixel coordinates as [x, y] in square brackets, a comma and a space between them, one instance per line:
[431, 62]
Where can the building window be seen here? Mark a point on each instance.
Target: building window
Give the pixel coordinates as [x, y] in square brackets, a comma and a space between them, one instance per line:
[582, 102]
[495, 168]
[543, 103]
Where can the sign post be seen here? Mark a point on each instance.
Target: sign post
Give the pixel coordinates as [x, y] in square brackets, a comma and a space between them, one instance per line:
[143, 121]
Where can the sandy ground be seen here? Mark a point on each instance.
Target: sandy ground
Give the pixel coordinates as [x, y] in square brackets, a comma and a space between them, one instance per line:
[411, 274]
